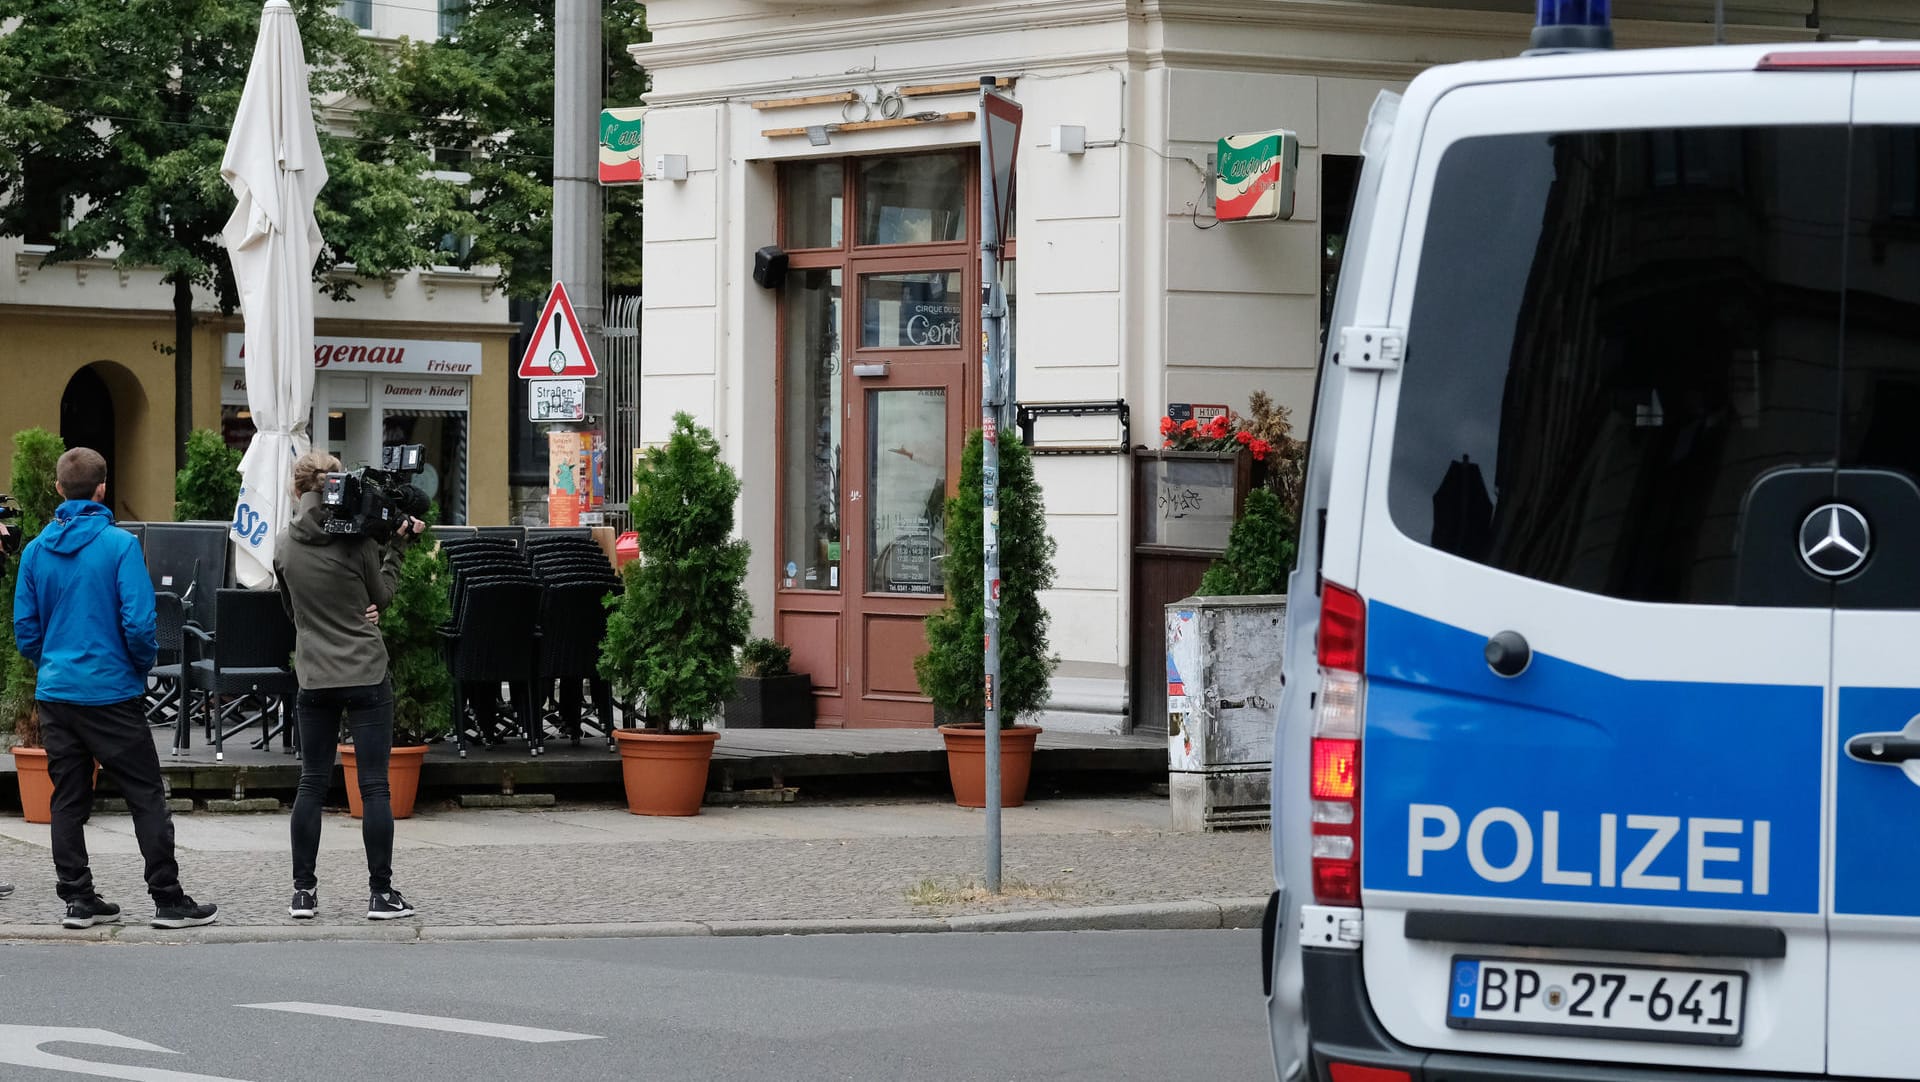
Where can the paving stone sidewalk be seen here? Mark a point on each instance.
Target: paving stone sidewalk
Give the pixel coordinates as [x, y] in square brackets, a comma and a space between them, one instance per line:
[597, 864]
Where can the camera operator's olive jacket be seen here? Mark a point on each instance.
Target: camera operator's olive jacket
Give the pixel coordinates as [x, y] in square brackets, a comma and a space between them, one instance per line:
[326, 583]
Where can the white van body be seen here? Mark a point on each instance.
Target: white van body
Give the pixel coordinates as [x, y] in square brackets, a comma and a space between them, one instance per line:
[1616, 448]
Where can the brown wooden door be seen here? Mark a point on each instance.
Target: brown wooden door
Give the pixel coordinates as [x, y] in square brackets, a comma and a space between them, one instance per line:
[879, 375]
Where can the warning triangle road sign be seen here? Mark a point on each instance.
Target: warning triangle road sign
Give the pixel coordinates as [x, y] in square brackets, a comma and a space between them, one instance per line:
[557, 347]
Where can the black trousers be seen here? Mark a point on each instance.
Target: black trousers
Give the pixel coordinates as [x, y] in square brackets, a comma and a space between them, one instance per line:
[369, 711]
[116, 736]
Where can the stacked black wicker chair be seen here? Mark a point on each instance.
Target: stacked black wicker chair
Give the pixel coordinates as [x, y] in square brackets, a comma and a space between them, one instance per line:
[573, 620]
[493, 637]
[252, 659]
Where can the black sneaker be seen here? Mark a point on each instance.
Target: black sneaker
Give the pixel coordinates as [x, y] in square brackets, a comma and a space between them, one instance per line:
[89, 911]
[387, 905]
[184, 913]
[304, 903]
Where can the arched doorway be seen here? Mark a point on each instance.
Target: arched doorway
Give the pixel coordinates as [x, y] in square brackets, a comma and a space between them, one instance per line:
[86, 415]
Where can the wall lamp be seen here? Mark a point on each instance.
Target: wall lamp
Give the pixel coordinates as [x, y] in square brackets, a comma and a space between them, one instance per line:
[817, 135]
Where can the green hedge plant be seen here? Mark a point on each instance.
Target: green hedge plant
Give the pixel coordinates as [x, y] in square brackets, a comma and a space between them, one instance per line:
[765, 657]
[422, 687]
[673, 636]
[207, 488]
[953, 670]
[1259, 550]
[36, 456]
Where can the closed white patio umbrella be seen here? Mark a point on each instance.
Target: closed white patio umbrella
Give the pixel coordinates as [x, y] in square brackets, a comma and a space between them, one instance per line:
[273, 166]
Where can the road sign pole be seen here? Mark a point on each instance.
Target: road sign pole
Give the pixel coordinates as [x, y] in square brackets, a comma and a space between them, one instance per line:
[999, 136]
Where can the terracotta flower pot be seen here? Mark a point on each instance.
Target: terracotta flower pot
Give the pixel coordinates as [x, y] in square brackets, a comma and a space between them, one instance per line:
[403, 779]
[36, 785]
[967, 763]
[666, 773]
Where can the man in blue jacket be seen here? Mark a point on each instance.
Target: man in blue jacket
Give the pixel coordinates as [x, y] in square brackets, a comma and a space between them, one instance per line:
[83, 614]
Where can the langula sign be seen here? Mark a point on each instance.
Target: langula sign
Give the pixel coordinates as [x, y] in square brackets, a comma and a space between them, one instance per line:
[392, 356]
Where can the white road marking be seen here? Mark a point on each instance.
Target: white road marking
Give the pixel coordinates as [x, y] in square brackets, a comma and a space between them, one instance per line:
[426, 1021]
[20, 1047]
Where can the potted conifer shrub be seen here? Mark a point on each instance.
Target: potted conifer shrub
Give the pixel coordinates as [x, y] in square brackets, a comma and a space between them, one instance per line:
[422, 687]
[207, 488]
[768, 694]
[953, 670]
[674, 631]
[36, 453]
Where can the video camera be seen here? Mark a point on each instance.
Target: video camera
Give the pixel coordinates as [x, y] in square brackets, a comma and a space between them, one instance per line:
[372, 502]
[10, 518]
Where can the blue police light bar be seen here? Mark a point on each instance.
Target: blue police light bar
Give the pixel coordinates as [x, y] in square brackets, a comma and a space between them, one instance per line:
[1573, 25]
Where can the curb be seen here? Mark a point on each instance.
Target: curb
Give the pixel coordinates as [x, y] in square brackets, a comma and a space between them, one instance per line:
[1191, 915]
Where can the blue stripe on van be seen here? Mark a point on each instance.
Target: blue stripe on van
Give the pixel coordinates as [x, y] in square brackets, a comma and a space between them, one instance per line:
[1707, 795]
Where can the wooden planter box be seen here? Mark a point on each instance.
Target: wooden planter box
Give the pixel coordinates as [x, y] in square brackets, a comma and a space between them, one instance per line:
[771, 702]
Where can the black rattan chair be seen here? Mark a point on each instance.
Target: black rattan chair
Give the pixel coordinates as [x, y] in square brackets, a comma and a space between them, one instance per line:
[251, 658]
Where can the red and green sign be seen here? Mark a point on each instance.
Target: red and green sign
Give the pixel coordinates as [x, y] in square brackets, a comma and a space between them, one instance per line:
[1255, 178]
[620, 146]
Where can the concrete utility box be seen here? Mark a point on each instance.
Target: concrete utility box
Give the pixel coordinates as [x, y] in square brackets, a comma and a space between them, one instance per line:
[1223, 696]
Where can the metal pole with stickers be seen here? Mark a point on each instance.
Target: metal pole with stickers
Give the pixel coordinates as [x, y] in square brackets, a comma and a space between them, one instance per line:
[999, 137]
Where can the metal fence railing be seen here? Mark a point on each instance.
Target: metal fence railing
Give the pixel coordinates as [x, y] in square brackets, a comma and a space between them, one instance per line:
[623, 402]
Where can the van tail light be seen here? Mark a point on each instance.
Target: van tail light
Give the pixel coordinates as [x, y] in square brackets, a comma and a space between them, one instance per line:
[1334, 783]
[1351, 1072]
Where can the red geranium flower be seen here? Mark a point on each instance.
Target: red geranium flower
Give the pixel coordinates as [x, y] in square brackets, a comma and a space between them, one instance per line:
[1166, 425]
[1259, 449]
[1189, 425]
[1243, 436]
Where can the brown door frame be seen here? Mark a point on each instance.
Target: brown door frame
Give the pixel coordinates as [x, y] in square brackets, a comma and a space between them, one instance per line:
[839, 700]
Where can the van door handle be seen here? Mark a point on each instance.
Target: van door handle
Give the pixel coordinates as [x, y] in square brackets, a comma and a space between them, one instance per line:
[1890, 748]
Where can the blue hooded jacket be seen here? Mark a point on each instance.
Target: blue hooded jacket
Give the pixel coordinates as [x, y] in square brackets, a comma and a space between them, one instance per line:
[83, 609]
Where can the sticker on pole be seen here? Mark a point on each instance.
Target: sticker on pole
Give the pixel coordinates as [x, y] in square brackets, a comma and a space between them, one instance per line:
[999, 139]
[550, 400]
[558, 348]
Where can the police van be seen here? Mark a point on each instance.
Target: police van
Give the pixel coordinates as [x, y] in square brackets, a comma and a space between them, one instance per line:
[1599, 749]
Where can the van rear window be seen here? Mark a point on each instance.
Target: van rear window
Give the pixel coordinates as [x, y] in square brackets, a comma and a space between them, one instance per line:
[1614, 335]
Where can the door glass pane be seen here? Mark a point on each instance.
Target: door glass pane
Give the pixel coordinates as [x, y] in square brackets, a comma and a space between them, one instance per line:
[814, 200]
[913, 200]
[899, 311]
[1879, 454]
[810, 461]
[906, 490]
[1617, 338]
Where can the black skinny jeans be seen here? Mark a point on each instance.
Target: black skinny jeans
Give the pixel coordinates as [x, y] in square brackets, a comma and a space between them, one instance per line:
[370, 720]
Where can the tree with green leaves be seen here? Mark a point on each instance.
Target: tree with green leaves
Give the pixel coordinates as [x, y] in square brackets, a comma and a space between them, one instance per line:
[953, 670]
[674, 633]
[486, 93]
[115, 119]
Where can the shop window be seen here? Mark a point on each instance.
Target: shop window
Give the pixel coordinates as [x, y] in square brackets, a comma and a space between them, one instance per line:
[236, 427]
[810, 551]
[1339, 181]
[916, 309]
[444, 475]
[814, 197]
[917, 199]
[453, 13]
[526, 441]
[45, 209]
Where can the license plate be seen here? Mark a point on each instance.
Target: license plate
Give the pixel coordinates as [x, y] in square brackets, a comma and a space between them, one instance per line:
[1576, 999]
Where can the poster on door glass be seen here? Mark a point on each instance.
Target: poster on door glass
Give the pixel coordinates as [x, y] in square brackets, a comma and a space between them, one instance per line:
[907, 490]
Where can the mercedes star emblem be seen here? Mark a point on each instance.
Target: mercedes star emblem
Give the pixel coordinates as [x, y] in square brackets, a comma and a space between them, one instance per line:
[1834, 540]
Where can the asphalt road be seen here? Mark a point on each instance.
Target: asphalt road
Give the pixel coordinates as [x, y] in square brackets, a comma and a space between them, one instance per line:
[956, 1006]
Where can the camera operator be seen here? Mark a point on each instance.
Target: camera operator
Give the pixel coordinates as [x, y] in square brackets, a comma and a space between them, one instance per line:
[333, 586]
